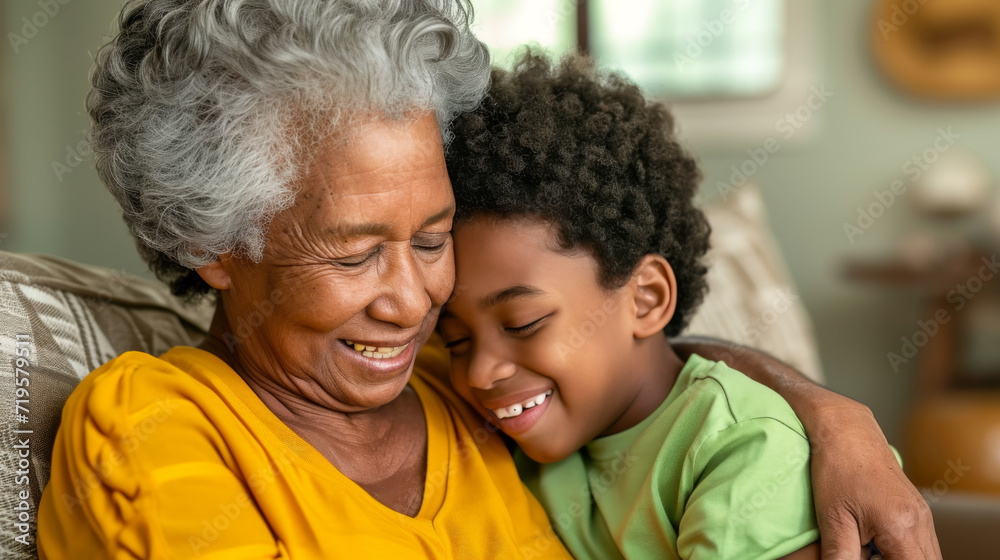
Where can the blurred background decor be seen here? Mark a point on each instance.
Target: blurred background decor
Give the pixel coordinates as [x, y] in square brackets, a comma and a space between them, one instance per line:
[855, 171]
[940, 49]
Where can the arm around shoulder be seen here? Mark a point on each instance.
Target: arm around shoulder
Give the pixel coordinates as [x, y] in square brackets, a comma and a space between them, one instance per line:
[861, 493]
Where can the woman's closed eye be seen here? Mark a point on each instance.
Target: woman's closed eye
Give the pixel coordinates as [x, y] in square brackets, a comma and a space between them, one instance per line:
[357, 260]
[431, 243]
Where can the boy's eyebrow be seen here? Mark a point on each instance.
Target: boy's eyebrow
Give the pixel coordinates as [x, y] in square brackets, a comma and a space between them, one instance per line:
[508, 294]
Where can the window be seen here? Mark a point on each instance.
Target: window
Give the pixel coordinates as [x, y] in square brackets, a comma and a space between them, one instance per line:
[505, 25]
[730, 69]
[673, 48]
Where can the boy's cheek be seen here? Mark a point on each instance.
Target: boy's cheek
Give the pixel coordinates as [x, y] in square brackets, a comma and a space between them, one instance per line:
[457, 378]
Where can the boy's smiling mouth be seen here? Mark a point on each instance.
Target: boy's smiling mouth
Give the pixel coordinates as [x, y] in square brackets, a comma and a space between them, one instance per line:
[516, 409]
[516, 412]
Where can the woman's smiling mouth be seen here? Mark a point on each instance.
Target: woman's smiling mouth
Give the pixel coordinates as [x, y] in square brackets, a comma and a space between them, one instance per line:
[377, 352]
[381, 358]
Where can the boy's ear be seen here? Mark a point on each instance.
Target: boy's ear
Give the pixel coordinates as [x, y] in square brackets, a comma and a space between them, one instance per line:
[655, 295]
[217, 274]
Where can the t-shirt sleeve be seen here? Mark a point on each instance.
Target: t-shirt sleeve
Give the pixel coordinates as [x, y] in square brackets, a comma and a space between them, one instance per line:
[752, 498]
[135, 476]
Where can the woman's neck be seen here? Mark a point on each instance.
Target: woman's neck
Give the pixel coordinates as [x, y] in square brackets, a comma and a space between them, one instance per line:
[382, 449]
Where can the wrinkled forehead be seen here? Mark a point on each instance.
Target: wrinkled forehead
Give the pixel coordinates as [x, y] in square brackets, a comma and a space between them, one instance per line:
[392, 152]
[389, 173]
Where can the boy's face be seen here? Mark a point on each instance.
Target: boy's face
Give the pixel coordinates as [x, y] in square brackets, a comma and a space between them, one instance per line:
[538, 347]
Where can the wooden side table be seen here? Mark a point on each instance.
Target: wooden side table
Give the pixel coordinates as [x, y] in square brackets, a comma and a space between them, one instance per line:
[953, 433]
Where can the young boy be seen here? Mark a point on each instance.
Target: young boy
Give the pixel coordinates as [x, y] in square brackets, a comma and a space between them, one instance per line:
[578, 253]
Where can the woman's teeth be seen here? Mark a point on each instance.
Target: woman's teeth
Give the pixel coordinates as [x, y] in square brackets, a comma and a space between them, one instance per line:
[377, 352]
[517, 408]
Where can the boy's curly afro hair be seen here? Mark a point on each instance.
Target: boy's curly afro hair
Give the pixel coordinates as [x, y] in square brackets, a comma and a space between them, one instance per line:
[586, 151]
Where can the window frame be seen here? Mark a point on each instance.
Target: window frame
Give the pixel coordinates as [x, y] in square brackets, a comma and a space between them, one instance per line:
[737, 121]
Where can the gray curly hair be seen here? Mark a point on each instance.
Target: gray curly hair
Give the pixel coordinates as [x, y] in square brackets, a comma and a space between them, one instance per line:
[201, 109]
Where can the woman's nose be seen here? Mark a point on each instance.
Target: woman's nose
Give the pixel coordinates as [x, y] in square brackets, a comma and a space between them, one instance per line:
[404, 300]
[487, 367]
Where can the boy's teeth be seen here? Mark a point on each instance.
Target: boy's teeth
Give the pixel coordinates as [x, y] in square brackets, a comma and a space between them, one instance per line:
[377, 352]
[517, 408]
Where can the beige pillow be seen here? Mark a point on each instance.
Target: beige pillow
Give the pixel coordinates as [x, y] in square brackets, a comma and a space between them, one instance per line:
[752, 300]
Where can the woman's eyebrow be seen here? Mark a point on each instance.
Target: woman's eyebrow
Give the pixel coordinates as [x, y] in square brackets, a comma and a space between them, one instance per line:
[439, 216]
[507, 294]
[347, 231]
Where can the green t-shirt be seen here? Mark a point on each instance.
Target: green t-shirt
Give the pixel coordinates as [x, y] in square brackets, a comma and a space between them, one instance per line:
[719, 470]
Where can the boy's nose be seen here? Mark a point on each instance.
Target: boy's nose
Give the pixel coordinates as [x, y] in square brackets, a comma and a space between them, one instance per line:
[486, 369]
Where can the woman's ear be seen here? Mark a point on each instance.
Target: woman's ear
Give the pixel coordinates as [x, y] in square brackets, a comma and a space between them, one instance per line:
[655, 295]
[216, 274]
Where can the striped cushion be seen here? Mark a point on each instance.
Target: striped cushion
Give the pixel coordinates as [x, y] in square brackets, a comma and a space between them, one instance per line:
[73, 318]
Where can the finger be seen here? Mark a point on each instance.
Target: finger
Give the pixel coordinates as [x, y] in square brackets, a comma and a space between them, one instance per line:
[929, 543]
[839, 538]
[900, 545]
[925, 547]
[931, 546]
[911, 536]
[899, 550]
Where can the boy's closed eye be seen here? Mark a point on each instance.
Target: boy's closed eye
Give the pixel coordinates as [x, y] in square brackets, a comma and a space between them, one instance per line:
[530, 326]
[453, 331]
[455, 337]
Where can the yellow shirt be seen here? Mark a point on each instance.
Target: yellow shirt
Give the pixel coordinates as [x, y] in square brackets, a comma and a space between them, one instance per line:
[176, 457]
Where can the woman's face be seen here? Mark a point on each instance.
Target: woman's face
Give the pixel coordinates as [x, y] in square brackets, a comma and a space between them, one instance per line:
[363, 257]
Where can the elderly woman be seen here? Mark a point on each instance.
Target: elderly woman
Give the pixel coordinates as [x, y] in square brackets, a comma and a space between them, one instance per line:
[285, 157]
